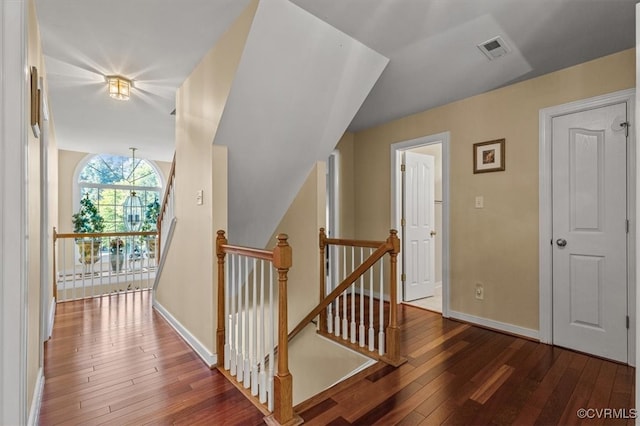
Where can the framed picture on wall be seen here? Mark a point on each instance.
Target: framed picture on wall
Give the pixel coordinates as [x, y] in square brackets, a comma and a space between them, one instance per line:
[488, 156]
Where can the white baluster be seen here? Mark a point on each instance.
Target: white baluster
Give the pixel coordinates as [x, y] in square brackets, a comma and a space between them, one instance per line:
[227, 314]
[371, 329]
[254, 340]
[271, 333]
[381, 302]
[361, 329]
[233, 339]
[353, 300]
[240, 346]
[336, 322]
[247, 326]
[262, 387]
[329, 288]
[345, 321]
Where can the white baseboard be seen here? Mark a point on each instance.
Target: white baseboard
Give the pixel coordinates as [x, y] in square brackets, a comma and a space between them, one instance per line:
[496, 325]
[210, 359]
[366, 292]
[36, 400]
[52, 316]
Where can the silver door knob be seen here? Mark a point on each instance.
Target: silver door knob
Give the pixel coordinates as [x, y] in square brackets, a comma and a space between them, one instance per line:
[561, 242]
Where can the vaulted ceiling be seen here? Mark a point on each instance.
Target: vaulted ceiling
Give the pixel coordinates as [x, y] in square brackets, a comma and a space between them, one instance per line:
[431, 45]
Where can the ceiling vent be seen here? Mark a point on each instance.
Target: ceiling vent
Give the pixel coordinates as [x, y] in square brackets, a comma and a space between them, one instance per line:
[494, 48]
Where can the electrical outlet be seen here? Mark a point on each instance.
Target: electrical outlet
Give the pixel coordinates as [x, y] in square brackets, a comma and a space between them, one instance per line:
[479, 291]
[479, 202]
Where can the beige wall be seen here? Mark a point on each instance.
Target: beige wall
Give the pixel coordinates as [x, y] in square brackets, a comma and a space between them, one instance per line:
[497, 245]
[186, 288]
[346, 193]
[302, 222]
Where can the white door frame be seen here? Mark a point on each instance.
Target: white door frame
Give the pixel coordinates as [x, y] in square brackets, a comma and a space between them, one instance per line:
[396, 203]
[545, 205]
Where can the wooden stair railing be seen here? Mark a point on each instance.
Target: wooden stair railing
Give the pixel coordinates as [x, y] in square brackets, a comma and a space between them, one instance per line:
[355, 337]
[244, 336]
[167, 201]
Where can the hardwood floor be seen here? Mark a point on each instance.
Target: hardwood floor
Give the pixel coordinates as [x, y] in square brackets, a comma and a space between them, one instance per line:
[114, 360]
[458, 374]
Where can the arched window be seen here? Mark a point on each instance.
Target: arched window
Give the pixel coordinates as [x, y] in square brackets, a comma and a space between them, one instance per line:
[109, 179]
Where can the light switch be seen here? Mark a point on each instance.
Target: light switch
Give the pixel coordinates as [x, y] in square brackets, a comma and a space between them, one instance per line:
[479, 202]
[199, 196]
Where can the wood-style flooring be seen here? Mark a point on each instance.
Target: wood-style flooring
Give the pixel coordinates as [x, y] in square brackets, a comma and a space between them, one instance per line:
[114, 360]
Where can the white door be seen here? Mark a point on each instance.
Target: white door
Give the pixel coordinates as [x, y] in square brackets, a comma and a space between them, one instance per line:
[589, 186]
[419, 227]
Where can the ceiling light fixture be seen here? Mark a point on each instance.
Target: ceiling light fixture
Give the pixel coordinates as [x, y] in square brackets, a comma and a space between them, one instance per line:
[119, 87]
[132, 206]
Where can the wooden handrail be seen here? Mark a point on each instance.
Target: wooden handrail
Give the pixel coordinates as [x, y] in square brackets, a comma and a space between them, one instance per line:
[353, 276]
[390, 246]
[281, 258]
[165, 201]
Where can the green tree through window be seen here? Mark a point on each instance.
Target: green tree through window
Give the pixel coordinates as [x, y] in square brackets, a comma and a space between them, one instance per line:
[109, 179]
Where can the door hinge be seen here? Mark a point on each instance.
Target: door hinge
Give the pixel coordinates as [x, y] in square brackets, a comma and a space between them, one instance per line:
[403, 168]
[626, 126]
[403, 277]
[403, 222]
[627, 226]
[627, 321]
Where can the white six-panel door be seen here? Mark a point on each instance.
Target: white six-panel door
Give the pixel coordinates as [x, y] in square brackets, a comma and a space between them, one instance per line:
[589, 222]
[419, 228]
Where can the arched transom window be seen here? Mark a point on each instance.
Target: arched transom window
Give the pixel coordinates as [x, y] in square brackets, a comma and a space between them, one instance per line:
[109, 179]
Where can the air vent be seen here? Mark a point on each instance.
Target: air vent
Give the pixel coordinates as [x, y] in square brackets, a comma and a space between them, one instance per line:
[494, 48]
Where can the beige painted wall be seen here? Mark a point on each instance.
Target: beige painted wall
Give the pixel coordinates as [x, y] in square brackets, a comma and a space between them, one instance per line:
[302, 222]
[346, 186]
[497, 245]
[186, 289]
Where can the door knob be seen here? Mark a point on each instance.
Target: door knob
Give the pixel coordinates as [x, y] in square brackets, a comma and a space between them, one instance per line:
[561, 242]
[432, 233]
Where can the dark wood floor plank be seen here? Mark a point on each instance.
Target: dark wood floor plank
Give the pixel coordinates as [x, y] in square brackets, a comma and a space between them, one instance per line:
[114, 360]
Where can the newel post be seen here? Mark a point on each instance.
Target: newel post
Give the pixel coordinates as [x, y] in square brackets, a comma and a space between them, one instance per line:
[283, 381]
[220, 253]
[393, 332]
[322, 325]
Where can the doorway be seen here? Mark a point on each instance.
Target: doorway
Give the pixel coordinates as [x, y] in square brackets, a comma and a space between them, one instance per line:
[423, 273]
[587, 290]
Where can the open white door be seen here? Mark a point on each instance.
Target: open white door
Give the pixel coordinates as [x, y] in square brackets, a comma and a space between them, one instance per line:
[419, 227]
[589, 169]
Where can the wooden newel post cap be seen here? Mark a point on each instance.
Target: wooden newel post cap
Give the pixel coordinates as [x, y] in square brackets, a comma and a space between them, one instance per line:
[220, 233]
[323, 236]
[282, 253]
[394, 240]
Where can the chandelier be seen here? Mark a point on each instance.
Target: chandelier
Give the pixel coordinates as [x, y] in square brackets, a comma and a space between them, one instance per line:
[132, 206]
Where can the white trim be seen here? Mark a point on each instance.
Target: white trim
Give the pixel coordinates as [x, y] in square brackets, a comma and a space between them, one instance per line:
[36, 400]
[52, 317]
[210, 359]
[13, 212]
[495, 325]
[166, 242]
[396, 203]
[546, 116]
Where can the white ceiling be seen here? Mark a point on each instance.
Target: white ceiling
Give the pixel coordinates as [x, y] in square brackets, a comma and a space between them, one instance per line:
[430, 44]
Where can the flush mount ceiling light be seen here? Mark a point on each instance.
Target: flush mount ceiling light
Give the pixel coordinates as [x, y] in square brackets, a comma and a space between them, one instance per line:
[119, 87]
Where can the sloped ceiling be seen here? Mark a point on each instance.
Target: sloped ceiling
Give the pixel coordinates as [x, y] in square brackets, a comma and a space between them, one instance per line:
[276, 122]
[430, 44]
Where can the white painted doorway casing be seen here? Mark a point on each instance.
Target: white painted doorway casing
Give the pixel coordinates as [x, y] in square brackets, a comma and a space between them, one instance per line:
[548, 244]
[418, 231]
[589, 202]
[396, 151]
